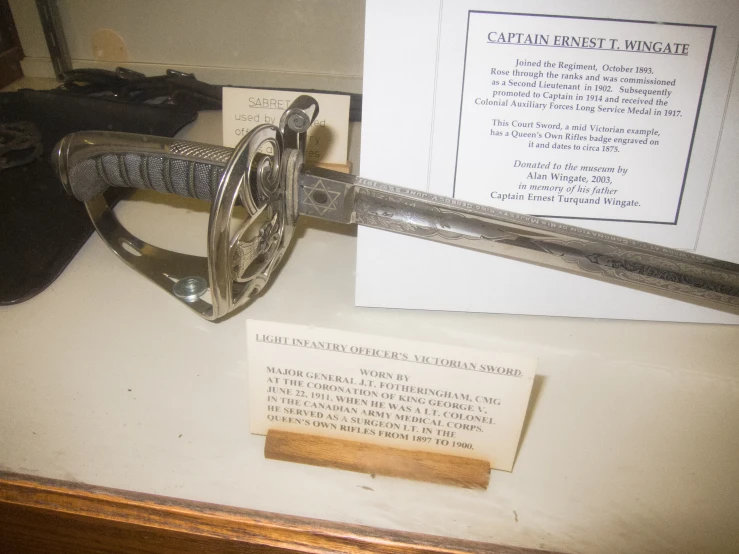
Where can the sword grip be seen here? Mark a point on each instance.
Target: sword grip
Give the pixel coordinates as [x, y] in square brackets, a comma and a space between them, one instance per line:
[89, 162]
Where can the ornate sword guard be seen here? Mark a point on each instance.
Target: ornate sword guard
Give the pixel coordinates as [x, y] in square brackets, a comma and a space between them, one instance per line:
[242, 252]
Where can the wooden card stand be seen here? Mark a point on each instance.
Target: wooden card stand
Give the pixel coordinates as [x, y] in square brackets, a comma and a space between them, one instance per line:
[369, 458]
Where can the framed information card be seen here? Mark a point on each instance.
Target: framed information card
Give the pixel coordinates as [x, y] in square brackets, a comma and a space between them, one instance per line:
[616, 117]
[583, 120]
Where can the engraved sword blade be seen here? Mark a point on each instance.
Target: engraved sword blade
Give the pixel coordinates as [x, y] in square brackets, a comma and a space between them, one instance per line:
[87, 163]
[647, 267]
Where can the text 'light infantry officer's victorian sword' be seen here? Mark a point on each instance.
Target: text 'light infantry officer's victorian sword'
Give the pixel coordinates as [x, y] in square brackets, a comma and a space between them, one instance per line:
[275, 190]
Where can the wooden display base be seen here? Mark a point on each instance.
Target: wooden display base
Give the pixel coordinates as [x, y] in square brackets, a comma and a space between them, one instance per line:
[382, 460]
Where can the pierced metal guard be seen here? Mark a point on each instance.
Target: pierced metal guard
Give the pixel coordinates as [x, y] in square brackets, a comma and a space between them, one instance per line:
[242, 257]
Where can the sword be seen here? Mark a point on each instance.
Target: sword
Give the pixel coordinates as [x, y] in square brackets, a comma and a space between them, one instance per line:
[264, 186]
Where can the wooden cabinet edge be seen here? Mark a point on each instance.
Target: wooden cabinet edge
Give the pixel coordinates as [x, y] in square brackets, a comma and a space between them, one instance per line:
[204, 527]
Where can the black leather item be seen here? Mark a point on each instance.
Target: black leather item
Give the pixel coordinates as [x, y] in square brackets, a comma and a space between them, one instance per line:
[41, 227]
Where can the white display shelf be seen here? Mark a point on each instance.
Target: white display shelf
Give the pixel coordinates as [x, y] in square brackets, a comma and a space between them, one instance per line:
[631, 443]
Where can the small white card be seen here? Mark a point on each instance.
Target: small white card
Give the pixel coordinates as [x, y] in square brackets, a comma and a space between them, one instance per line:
[392, 392]
[328, 138]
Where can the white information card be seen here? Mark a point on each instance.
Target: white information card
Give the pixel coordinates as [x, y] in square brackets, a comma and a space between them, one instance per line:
[591, 122]
[328, 137]
[392, 392]
[604, 115]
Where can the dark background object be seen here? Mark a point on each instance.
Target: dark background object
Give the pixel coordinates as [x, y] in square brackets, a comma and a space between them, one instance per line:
[179, 88]
[173, 88]
[56, 42]
[41, 227]
[11, 53]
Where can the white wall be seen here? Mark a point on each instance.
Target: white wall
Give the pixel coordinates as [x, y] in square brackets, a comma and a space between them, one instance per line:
[296, 43]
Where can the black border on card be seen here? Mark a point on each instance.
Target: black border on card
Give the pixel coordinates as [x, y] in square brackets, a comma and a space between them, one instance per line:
[695, 123]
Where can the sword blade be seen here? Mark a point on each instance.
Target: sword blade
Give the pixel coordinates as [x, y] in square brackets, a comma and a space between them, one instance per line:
[642, 266]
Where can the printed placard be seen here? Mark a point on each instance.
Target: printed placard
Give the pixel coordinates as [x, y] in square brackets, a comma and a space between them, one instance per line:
[589, 118]
[386, 391]
[328, 138]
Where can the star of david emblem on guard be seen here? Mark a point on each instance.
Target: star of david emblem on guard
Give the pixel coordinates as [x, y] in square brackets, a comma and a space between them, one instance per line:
[321, 199]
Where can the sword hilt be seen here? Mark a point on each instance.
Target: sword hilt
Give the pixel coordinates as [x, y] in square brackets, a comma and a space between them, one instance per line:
[241, 257]
[89, 162]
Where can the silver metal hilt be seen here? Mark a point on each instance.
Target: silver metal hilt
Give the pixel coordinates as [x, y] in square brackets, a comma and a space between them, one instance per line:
[242, 257]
